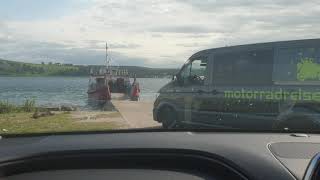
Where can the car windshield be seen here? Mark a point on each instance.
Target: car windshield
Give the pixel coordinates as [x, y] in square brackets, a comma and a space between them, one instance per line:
[103, 65]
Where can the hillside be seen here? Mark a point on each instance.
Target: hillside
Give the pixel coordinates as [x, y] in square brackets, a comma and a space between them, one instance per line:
[13, 68]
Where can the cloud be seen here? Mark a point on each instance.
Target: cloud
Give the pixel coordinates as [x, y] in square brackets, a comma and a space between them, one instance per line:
[243, 22]
[195, 44]
[156, 33]
[4, 40]
[214, 5]
[124, 46]
[193, 29]
[272, 14]
[206, 35]
[27, 51]
[101, 45]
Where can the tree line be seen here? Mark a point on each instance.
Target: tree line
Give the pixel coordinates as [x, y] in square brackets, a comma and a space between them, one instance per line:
[13, 68]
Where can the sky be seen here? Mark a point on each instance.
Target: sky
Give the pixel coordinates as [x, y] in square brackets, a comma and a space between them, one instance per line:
[152, 33]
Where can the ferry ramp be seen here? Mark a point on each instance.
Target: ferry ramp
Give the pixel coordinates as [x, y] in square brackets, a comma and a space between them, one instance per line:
[137, 114]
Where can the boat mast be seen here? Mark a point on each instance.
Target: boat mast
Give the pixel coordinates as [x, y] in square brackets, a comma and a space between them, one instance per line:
[107, 60]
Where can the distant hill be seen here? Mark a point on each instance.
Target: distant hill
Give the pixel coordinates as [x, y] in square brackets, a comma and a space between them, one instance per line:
[14, 68]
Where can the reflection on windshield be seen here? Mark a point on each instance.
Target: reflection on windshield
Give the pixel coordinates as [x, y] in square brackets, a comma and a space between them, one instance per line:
[105, 65]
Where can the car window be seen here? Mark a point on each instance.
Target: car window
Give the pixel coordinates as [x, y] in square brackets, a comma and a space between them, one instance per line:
[240, 67]
[297, 64]
[199, 68]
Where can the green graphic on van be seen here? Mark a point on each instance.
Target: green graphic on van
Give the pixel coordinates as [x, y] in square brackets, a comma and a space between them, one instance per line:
[308, 69]
[281, 94]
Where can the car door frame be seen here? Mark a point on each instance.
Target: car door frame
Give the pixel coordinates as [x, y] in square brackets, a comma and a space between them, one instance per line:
[199, 94]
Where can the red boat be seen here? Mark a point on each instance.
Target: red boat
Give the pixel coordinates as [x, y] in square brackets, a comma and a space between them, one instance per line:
[106, 80]
[99, 89]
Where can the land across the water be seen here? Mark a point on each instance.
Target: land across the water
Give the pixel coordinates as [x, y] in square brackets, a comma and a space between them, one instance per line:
[127, 115]
[14, 68]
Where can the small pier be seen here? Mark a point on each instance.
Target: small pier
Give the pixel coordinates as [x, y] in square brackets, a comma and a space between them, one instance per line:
[137, 114]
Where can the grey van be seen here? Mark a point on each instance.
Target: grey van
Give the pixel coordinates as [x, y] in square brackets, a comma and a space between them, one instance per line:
[258, 86]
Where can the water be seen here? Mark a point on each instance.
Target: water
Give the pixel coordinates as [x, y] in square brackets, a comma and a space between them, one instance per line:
[55, 91]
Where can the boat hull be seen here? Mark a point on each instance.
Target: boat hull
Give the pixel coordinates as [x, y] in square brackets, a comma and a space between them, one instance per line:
[101, 94]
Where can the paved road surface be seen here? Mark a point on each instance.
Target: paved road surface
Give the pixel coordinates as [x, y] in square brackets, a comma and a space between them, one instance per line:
[138, 114]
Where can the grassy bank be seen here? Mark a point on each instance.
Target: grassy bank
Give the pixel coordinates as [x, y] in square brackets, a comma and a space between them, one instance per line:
[23, 123]
[26, 118]
[27, 106]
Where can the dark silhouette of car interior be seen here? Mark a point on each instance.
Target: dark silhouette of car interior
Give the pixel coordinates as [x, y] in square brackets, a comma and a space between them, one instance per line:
[161, 155]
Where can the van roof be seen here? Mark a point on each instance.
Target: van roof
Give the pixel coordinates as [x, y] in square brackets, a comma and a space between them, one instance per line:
[266, 45]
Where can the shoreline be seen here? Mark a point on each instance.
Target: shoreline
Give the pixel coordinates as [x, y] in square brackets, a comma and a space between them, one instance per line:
[127, 115]
[78, 76]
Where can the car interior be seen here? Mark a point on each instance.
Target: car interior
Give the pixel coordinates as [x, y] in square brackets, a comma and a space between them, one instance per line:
[161, 155]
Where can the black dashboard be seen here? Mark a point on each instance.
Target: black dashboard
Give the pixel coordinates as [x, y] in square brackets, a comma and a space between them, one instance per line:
[159, 155]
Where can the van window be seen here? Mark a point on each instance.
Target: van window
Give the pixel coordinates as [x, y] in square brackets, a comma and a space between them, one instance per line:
[198, 68]
[243, 68]
[195, 72]
[297, 64]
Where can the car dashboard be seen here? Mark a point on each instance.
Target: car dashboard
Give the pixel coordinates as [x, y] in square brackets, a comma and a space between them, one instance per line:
[161, 155]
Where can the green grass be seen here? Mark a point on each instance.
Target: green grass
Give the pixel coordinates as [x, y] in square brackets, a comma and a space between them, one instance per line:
[23, 123]
[6, 107]
[27, 106]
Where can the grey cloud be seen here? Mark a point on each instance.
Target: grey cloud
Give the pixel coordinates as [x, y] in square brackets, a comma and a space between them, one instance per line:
[99, 45]
[12, 46]
[214, 5]
[83, 29]
[3, 26]
[5, 40]
[191, 44]
[99, 18]
[234, 15]
[290, 20]
[46, 52]
[5, 34]
[45, 45]
[198, 36]
[85, 56]
[227, 23]
[259, 37]
[124, 46]
[166, 56]
[193, 29]
[157, 35]
[69, 42]
[94, 41]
